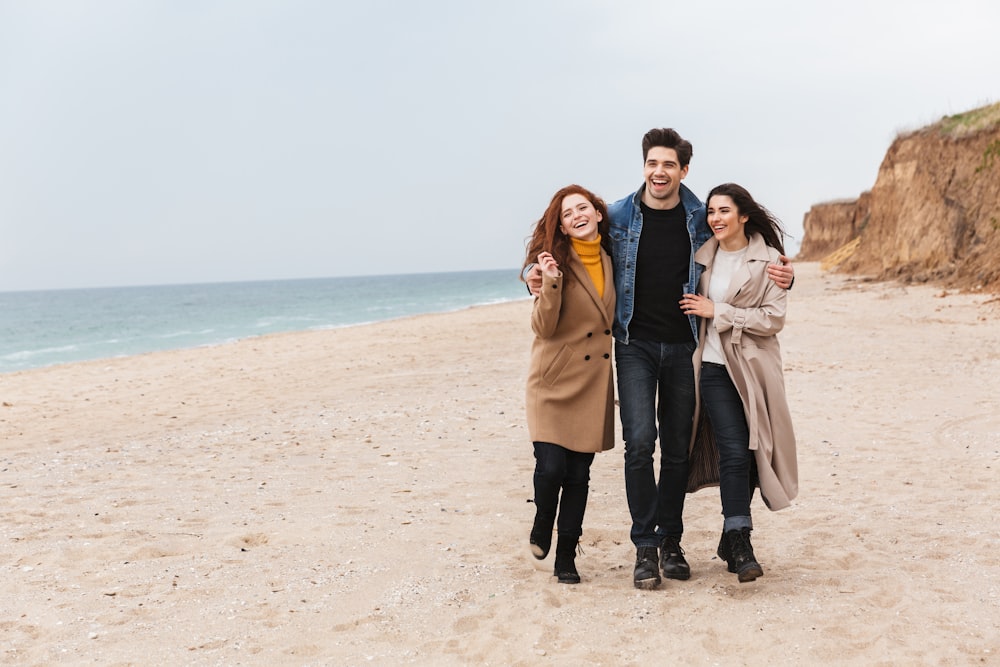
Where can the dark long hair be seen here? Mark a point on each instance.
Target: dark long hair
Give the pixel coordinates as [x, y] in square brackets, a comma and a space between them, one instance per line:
[760, 219]
[548, 234]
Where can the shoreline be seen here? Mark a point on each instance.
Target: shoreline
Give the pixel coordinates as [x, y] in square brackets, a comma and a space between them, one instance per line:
[232, 340]
[359, 496]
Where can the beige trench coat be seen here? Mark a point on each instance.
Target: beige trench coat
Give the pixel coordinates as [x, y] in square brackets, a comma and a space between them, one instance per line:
[570, 391]
[748, 319]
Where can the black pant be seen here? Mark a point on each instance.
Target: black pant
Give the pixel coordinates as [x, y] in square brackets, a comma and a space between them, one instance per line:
[559, 468]
[657, 397]
[736, 462]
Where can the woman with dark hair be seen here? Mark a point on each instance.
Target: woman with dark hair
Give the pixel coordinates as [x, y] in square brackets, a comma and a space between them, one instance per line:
[570, 395]
[739, 366]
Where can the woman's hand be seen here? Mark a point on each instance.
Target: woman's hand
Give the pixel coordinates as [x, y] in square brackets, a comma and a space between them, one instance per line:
[548, 265]
[702, 306]
[534, 280]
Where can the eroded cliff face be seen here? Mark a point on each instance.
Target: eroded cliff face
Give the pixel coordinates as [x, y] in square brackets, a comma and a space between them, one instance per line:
[830, 225]
[933, 213]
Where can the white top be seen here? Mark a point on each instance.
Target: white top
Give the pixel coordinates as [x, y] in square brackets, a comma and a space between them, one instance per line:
[723, 268]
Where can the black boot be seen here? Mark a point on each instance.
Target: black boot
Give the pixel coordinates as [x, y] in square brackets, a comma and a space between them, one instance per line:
[646, 575]
[672, 559]
[565, 567]
[736, 550]
[723, 551]
[541, 535]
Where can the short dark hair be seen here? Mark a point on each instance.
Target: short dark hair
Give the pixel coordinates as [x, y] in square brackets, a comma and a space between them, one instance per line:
[668, 138]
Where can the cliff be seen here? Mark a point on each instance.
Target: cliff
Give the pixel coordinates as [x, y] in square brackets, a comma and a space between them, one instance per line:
[932, 215]
[832, 224]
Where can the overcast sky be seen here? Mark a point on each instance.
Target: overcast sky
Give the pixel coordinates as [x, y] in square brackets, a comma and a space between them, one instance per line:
[180, 141]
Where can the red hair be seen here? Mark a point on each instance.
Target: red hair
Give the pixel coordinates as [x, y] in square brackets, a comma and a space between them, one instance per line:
[548, 235]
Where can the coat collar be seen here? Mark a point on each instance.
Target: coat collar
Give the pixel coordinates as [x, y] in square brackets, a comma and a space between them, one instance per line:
[757, 250]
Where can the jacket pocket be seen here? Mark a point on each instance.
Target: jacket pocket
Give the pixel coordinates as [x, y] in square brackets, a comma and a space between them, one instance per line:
[559, 362]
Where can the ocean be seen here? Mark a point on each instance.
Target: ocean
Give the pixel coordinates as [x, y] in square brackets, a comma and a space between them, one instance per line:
[42, 328]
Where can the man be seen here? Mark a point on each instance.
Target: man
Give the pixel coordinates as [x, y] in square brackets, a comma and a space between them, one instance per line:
[655, 232]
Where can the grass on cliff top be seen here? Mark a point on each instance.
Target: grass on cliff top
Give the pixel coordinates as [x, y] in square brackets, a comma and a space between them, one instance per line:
[969, 122]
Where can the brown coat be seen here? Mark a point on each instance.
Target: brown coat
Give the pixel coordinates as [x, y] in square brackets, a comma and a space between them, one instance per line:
[570, 392]
[748, 319]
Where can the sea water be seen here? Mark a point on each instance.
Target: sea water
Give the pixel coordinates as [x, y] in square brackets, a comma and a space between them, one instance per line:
[42, 328]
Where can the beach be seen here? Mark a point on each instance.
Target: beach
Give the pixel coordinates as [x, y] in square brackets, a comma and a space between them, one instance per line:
[359, 496]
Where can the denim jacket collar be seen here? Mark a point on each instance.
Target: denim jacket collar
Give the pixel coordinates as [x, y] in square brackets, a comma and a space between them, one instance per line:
[689, 200]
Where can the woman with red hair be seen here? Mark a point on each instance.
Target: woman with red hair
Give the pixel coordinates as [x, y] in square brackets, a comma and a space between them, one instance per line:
[570, 393]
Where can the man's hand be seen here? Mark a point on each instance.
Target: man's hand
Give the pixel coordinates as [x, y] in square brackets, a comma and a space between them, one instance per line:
[782, 274]
[534, 280]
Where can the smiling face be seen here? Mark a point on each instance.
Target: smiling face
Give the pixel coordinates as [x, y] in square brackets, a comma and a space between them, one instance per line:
[663, 174]
[726, 222]
[578, 217]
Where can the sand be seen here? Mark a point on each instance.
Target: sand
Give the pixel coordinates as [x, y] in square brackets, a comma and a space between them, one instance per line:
[359, 496]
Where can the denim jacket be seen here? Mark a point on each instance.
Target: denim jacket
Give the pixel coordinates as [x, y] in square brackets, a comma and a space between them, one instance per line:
[626, 226]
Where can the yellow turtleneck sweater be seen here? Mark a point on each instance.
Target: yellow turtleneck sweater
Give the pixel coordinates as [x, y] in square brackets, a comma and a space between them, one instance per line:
[590, 255]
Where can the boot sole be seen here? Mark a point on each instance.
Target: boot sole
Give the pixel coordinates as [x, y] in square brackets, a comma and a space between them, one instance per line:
[750, 573]
[678, 577]
[646, 584]
[744, 577]
[538, 552]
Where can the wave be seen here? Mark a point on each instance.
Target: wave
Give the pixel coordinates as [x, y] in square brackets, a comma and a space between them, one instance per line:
[22, 355]
[51, 327]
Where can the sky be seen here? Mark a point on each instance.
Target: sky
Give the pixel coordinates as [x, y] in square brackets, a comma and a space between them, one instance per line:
[187, 141]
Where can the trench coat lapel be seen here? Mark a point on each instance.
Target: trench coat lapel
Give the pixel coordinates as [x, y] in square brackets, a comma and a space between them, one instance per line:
[705, 255]
[756, 251]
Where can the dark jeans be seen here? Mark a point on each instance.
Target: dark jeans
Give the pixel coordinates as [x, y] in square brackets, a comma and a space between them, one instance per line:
[646, 372]
[736, 463]
[560, 468]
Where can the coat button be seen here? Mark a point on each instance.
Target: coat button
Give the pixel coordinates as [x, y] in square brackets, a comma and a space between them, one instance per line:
[587, 358]
[589, 334]
[607, 356]
[607, 332]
